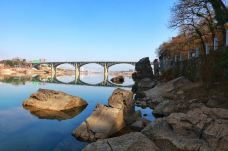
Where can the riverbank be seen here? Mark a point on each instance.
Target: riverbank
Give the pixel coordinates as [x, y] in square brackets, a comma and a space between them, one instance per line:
[188, 119]
[190, 116]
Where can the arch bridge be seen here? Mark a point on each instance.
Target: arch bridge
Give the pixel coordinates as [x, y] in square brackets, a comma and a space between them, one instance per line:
[78, 65]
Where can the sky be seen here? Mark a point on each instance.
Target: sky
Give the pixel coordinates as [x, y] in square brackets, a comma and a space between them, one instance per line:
[83, 30]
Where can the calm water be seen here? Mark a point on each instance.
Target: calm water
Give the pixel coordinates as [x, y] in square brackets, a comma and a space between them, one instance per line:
[22, 131]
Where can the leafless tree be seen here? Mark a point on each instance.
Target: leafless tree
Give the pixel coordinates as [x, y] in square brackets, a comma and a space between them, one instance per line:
[194, 17]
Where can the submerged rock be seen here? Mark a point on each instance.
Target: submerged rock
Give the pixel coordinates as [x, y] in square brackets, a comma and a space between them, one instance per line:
[102, 123]
[118, 79]
[134, 141]
[53, 100]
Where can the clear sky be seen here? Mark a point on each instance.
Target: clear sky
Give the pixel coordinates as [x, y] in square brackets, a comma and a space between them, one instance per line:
[77, 30]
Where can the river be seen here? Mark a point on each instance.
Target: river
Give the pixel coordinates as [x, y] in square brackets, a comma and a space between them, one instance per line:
[22, 131]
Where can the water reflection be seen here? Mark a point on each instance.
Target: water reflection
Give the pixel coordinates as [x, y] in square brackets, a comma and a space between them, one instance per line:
[86, 79]
[55, 115]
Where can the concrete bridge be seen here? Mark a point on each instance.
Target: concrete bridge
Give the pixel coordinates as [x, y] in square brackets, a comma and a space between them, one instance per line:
[77, 65]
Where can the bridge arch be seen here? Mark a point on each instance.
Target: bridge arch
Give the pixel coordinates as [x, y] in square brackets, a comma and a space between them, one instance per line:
[92, 73]
[122, 69]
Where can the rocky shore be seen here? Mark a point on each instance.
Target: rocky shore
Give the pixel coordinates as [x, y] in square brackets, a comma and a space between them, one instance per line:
[189, 117]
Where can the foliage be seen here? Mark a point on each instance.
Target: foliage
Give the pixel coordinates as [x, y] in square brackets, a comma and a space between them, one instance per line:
[13, 63]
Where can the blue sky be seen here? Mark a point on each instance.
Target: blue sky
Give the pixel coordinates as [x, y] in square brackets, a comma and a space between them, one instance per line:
[79, 30]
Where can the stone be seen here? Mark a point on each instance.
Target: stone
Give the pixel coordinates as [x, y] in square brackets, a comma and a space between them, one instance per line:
[216, 134]
[163, 109]
[53, 100]
[139, 124]
[143, 69]
[160, 132]
[133, 141]
[143, 77]
[123, 100]
[118, 79]
[162, 90]
[102, 123]
[145, 84]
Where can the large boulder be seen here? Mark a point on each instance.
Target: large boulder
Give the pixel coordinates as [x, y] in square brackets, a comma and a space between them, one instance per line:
[134, 141]
[143, 69]
[168, 89]
[143, 77]
[102, 123]
[202, 123]
[123, 100]
[167, 107]
[53, 100]
[107, 120]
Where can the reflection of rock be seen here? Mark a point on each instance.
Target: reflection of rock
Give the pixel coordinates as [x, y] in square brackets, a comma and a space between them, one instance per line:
[134, 141]
[53, 100]
[118, 79]
[59, 115]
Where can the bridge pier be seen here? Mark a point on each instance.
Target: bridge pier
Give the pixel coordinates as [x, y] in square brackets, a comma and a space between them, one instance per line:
[53, 71]
[77, 71]
[105, 72]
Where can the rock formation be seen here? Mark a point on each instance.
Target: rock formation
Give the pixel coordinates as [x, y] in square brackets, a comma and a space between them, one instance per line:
[53, 100]
[107, 120]
[143, 77]
[134, 141]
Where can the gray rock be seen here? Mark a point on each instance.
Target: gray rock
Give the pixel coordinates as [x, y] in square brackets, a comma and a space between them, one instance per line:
[162, 90]
[143, 69]
[145, 84]
[163, 135]
[164, 108]
[134, 141]
[139, 124]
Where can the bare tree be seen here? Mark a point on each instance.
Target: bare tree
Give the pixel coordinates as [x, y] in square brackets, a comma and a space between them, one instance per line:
[194, 17]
